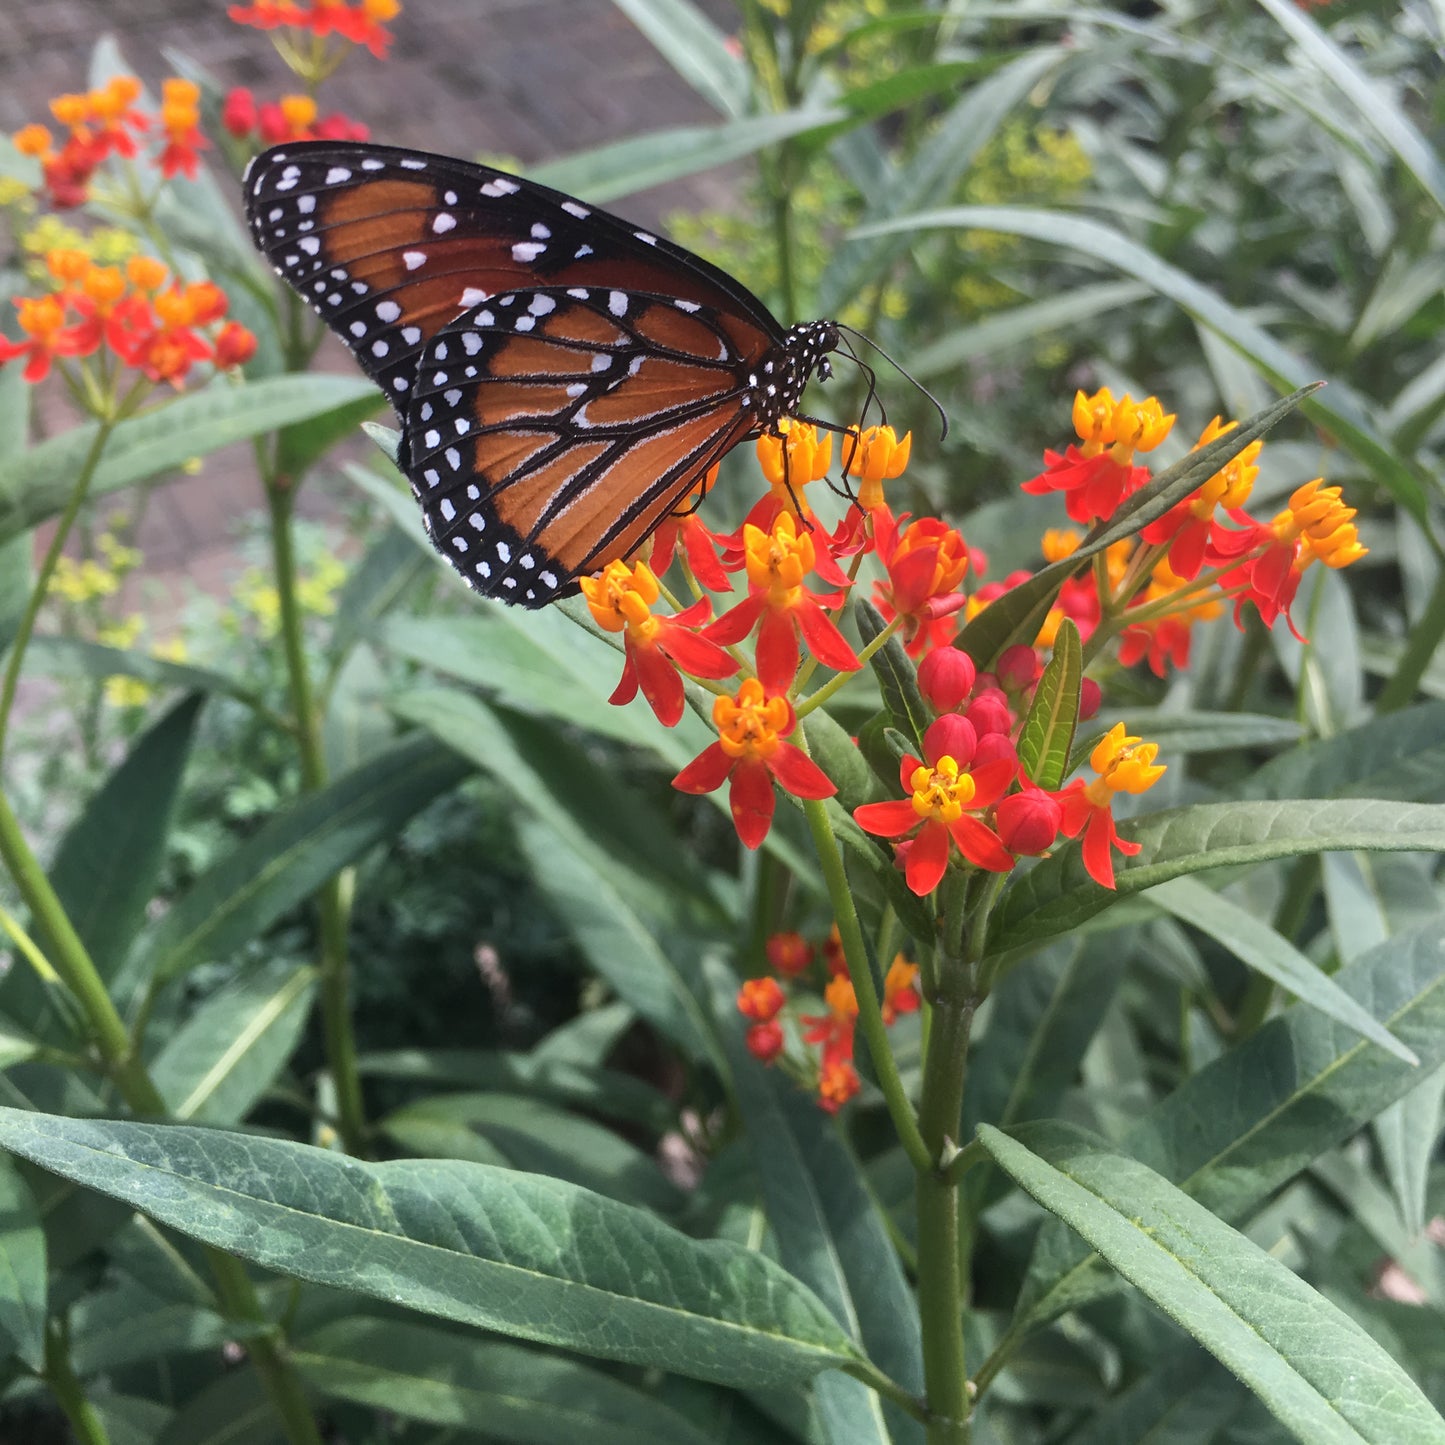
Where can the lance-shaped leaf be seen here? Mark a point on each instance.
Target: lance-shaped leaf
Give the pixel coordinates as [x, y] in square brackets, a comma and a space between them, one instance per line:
[1314, 1367]
[520, 1254]
[1058, 895]
[896, 674]
[1048, 731]
[1237, 1130]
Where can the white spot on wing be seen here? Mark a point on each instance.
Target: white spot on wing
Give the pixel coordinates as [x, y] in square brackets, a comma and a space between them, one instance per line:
[388, 311]
[527, 251]
[413, 259]
[336, 175]
[443, 223]
[617, 303]
[541, 305]
[473, 296]
[576, 208]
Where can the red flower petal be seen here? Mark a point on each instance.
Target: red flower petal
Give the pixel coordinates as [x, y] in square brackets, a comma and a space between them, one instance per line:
[751, 800]
[981, 845]
[706, 772]
[824, 640]
[777, 652]
[799, 774]
[928, 858]
[886, 820]
[661, 685]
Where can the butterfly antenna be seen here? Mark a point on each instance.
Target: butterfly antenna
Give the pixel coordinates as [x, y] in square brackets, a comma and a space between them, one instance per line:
[912, 380]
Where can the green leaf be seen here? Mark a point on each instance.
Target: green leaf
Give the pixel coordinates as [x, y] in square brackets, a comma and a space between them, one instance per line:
[373, 587]
[1338, 408]
[618, 943]
[519, 1254]
[126, 1324]
[606, 1093]
[1058, 895]
[1241, 1127]
[36, 484]
[293, 853]
[834, 751]
[541, 1138]
[543, 664]
[108, 865]
[1048, 731]
[421, 1372]
[897, 676]
[1316, 1370]
[829, 1232]
[1408, 1132]
[233, 1409]
[1186, 1399]
[1017, 326]
[695, 48]
[1400, 755]
[23, 1282]
[76, 657]
[1368, 98]
[1208, 732]
[1257, 945]
[625, 166]
[232, 1047]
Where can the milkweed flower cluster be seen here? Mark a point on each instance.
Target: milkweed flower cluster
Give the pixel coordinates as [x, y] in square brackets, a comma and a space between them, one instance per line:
[138, 316]
[775, 1006]
[963, 798]
[304, 31]
[106, 122]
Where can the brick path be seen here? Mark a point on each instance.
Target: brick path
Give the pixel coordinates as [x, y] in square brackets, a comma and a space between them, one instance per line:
[532, 79]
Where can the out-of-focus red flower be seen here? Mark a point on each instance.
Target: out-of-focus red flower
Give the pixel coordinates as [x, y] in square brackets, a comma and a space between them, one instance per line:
[789, 953]
[900, 994]
[760, 999]
[765, 1041]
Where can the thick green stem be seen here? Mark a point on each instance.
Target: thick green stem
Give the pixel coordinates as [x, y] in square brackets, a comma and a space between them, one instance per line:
[331, 901]
[940, 1262]
[870, 1013]
[68, 1391]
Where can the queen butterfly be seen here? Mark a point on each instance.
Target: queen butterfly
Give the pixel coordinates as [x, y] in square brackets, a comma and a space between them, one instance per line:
[563, 378]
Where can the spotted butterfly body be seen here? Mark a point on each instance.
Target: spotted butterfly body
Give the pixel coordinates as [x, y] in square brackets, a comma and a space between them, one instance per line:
[563, 379]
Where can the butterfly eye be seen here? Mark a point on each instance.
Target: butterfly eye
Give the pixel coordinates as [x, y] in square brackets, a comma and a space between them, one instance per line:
[563, 378]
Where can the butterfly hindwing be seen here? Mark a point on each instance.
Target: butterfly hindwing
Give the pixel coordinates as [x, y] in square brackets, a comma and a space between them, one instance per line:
[550, 430]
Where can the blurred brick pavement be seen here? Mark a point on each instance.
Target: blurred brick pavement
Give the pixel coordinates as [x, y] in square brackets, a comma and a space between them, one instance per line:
[531, 80]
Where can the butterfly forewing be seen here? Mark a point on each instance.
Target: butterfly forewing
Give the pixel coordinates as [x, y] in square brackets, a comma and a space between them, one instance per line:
[551, 430]
[563, 377]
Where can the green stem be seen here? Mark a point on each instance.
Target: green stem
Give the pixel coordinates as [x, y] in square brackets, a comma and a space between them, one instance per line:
[870, 1013]
[38, 594]
[1425, 638]
[890, 1389]
[940, 1263]
[331, 901]
[68, 1391]
[77, 971]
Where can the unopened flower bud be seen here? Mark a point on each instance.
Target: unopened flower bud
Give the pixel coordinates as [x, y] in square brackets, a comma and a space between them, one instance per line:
[951, 736]
[1028, 822]
[945, 677]
[760, 999]
[765, 1042]
[1091, 697]
[789, 953]
[1018, 668]
[990, 714]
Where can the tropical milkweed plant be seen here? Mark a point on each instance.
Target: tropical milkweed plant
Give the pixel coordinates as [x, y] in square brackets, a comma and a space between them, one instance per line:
[991, 883]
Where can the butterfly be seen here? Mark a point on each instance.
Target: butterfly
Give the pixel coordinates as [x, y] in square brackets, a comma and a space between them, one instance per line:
[564, 379]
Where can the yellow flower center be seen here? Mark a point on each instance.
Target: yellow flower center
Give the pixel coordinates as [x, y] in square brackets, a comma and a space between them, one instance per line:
[941, 792]
[752, 725]
[1124, 764]
[780, 559]
[622, 597]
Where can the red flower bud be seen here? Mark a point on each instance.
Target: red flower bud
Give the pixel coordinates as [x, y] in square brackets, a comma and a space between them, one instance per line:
[1028, 822]
[1018, 668]
[992, 747]
[789, 953]
[765, 1042]
[990, 714]
[238, 114]
[946, 677]
[950, 736]
[1091, 696]
[760, 999]
[235, 345]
